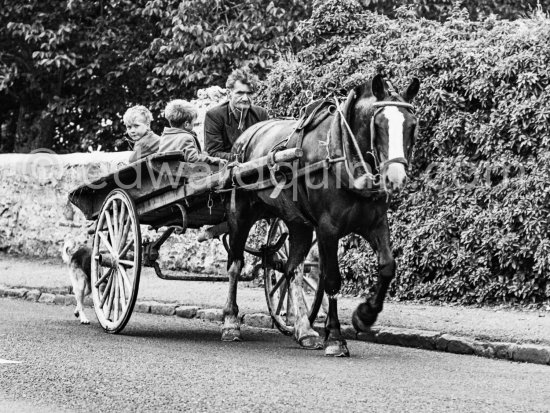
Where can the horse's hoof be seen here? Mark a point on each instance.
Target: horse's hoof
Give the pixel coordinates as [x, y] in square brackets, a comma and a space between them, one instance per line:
[311, 342]
[363, 317]
[231, 334]
[336, 348]
[357, 323]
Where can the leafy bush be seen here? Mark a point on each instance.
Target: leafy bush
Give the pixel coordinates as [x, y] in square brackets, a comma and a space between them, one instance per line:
[473, 223]
[202, 41]
[442, 9]
[69, 70]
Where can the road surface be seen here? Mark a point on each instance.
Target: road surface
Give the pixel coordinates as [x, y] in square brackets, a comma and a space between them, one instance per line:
[51, 363]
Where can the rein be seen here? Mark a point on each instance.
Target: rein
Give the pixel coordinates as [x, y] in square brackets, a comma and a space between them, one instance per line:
[354, 140]
[358, 185]
[340, 164]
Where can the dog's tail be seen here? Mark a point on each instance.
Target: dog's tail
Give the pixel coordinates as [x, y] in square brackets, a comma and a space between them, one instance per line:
[65, 252]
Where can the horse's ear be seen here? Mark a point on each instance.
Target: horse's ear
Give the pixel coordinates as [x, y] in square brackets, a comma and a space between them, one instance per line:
[412, 90]
[379, 87]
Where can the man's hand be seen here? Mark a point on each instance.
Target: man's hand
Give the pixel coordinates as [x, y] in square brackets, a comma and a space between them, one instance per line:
[224, 163]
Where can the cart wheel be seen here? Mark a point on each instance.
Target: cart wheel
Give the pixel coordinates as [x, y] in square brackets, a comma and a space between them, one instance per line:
[253, 262]
[276, 287]
[116, 261]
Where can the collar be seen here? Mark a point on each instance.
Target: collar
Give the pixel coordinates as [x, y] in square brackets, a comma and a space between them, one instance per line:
[147, 135]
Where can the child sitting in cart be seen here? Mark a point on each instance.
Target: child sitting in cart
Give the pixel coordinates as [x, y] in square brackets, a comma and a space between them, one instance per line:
[181, 116]
[138, 126]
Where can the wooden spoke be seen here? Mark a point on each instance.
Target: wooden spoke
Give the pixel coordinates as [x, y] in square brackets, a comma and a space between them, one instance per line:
[277, 285]
[126, 249]
[117, 297]
[121, 223]
[107, 291]
[106, 243]
[282, 297]
[122, 292]
[311, 283]
[111, 298]
[109, 226]
[100, 223]
[126, 263]
[115, 224]
[125, 278]
[103, 277]
[125, 232]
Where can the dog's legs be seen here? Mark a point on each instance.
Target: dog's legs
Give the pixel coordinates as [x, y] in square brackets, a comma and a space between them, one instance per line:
[80, 288]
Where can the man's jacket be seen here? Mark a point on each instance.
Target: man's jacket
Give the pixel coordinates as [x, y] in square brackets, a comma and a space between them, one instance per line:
[221, 128]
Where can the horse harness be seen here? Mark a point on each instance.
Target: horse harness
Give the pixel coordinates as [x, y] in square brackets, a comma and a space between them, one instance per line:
[314, 116]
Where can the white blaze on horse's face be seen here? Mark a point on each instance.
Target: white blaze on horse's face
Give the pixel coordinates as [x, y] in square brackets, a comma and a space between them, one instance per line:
[395, 173]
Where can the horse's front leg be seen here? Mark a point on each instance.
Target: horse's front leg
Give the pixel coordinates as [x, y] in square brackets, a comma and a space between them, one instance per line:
[240, 223]
[231, 330]
[367, 312]
[335, 344]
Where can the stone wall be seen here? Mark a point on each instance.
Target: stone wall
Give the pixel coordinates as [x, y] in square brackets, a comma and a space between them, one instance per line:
[36, 217]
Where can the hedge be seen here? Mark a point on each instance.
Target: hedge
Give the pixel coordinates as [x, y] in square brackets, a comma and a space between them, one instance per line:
[472, 225]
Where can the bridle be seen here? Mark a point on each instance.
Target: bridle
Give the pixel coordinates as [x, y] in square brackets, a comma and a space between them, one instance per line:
[379, 107]
[377, 167]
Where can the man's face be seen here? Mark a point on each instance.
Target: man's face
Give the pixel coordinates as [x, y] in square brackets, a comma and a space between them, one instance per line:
[240, 96]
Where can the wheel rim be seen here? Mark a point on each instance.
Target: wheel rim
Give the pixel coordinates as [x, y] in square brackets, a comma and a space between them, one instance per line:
[276, 287]
[116, 261]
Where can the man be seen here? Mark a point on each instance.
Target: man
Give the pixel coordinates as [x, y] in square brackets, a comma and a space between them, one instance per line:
[224, 123]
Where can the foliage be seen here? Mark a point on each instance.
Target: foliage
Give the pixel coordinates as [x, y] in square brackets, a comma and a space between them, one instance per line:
[473, 224]
[203, 40]
[68, 70]
[77, 65]
[442, 9]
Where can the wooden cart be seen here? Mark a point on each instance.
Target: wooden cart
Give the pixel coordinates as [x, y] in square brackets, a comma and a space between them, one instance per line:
[161, 191]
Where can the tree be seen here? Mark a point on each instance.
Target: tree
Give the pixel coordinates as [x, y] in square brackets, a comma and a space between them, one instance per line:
[68, 69]
[472, 225]
[442, 9]
[203, 40]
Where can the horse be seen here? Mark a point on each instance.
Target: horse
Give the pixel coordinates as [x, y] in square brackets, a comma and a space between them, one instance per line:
[365, 149]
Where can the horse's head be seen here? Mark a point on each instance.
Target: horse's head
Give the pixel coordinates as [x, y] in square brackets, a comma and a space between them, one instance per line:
[386, 124]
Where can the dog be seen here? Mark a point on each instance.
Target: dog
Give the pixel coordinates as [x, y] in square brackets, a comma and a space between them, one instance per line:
[78, 258]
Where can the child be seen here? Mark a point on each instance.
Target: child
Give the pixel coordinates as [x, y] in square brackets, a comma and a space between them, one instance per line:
[138, 126]
[181, 116]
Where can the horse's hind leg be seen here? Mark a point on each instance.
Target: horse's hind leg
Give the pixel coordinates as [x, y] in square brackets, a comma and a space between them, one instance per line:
[367, 312]
[299, 246]
[335, 344]
[240, 223]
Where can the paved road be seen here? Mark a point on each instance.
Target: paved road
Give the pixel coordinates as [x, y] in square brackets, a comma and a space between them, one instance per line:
[486, 323]
[173, 364]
